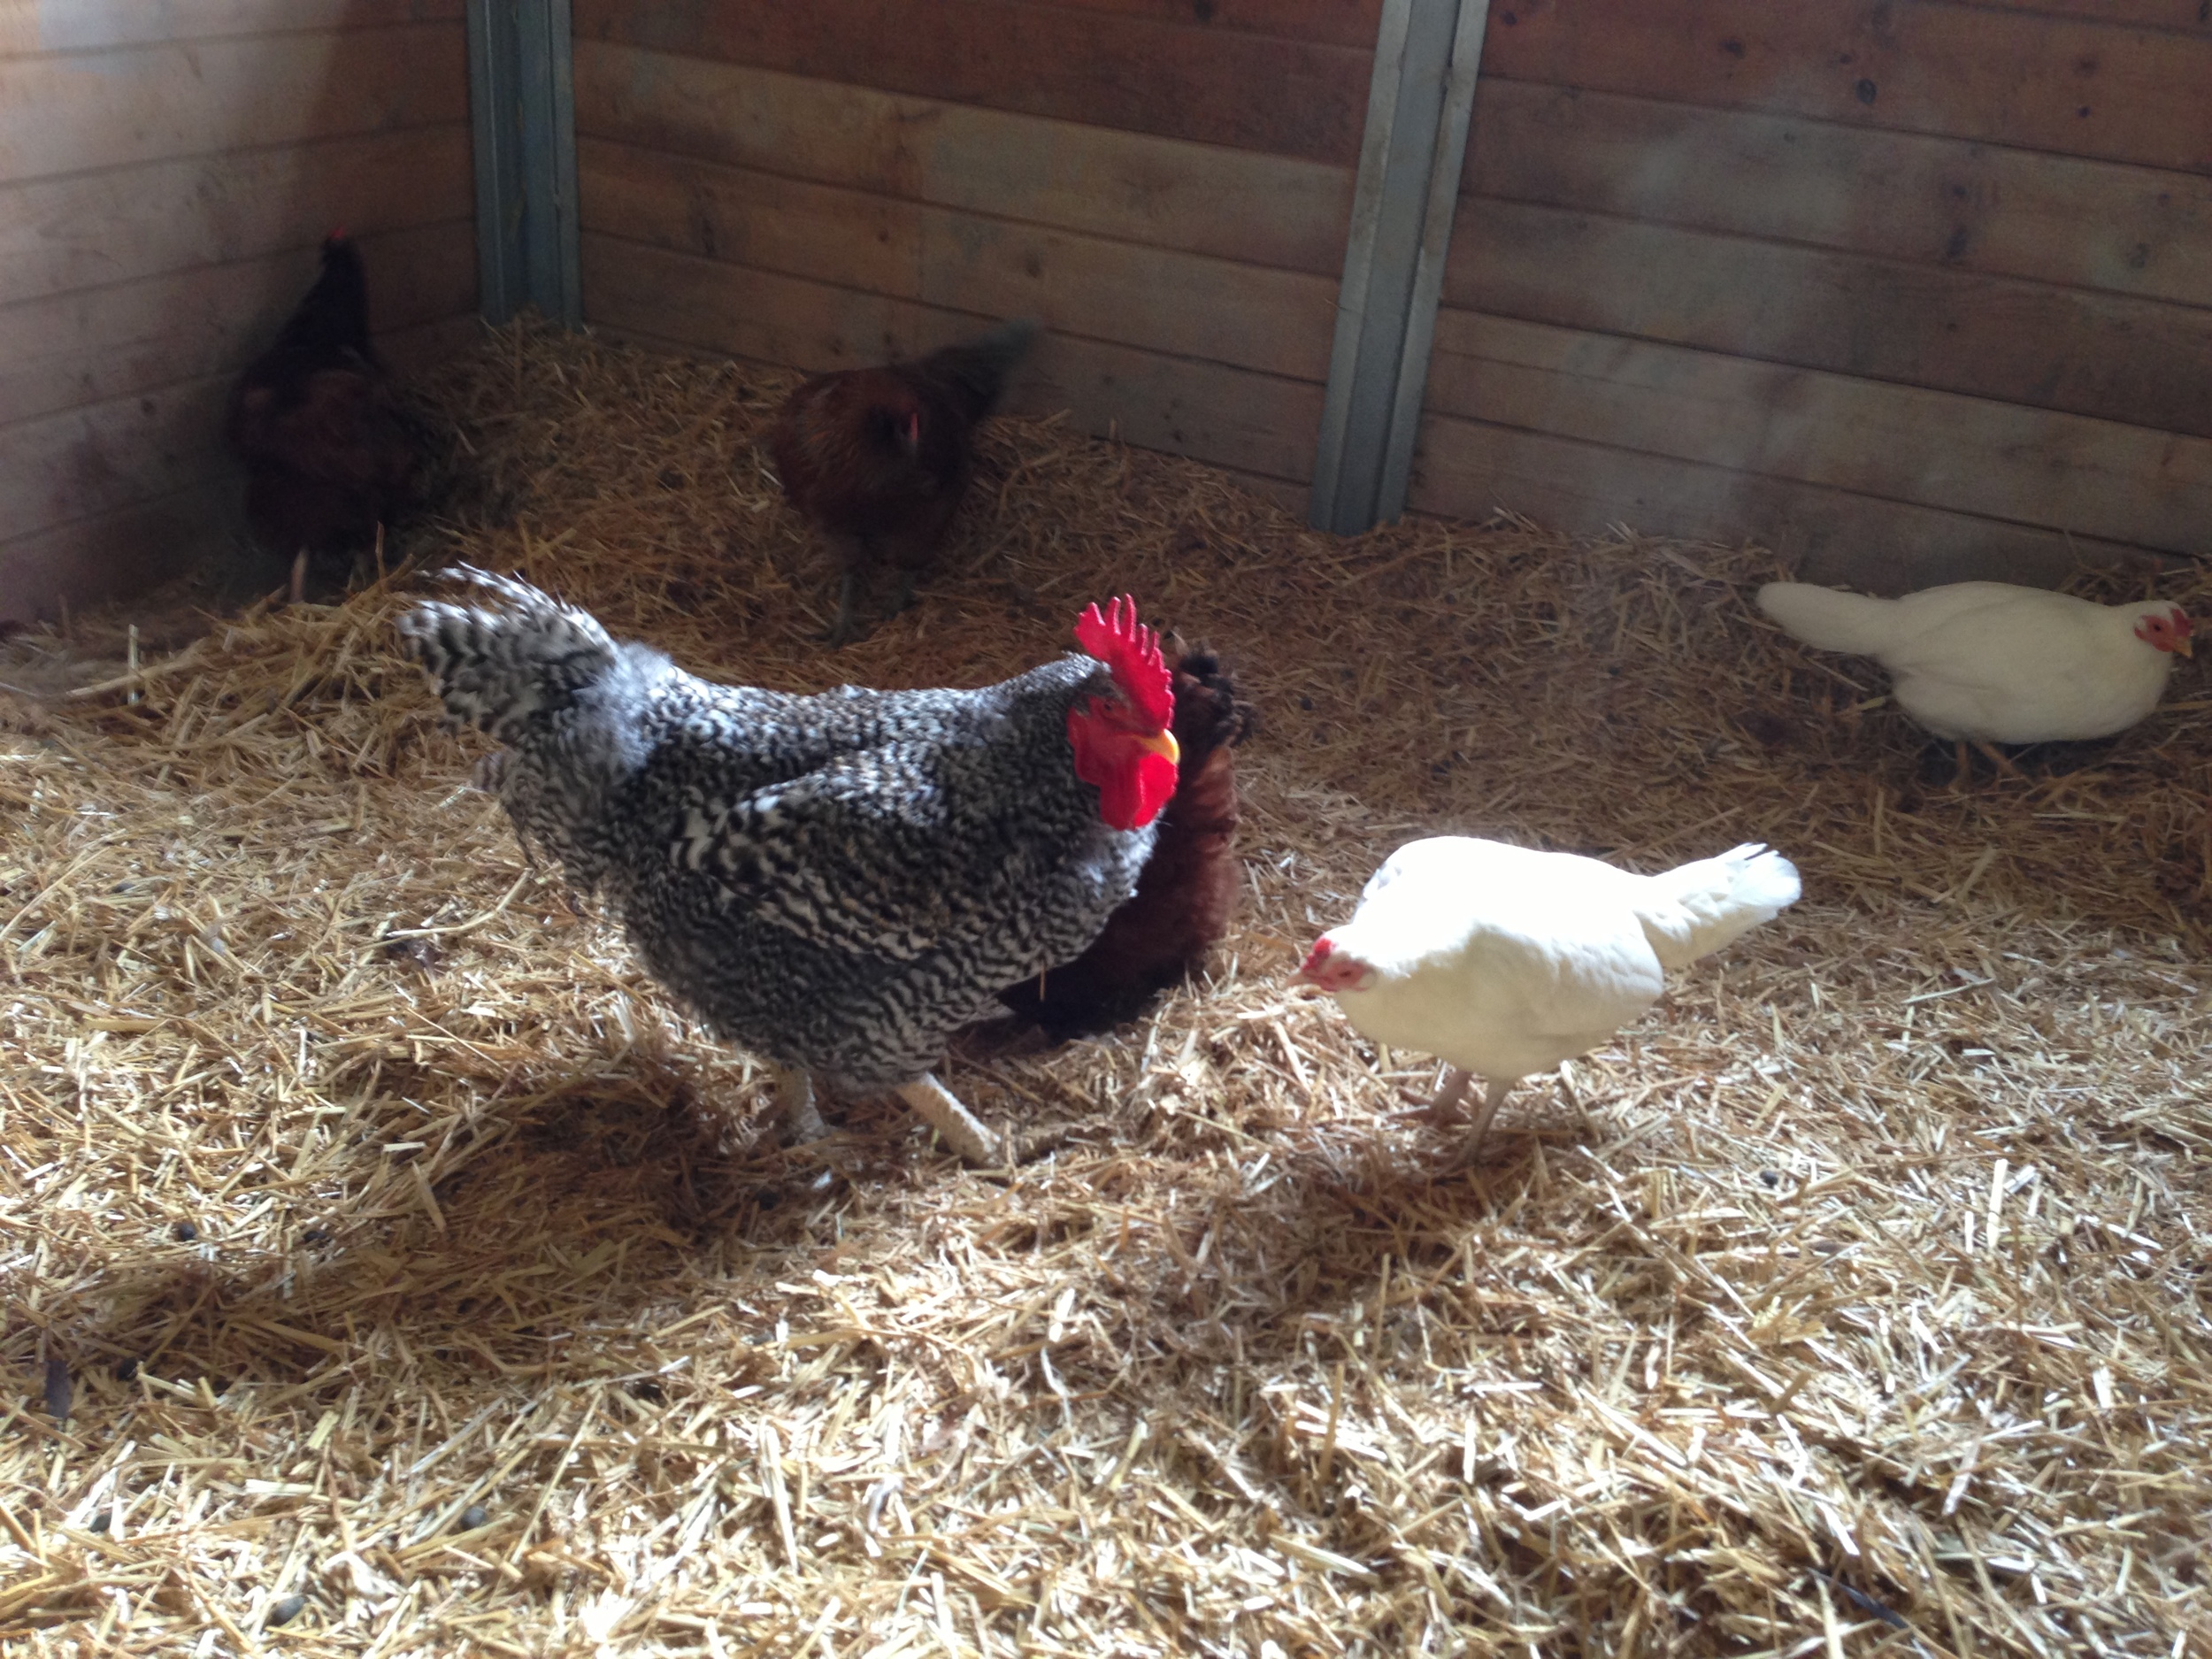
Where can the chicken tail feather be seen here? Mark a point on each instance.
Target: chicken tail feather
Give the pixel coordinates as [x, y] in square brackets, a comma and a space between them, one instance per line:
[975, 372]
[1694, 911]
[1829, 619]
[333, 316]
[496, 669]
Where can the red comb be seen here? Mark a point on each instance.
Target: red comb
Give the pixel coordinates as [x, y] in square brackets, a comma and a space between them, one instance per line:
[1133, 651]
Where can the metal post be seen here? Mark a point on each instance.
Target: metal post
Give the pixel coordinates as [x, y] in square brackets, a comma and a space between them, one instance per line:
[1427, 53]
[522, 103]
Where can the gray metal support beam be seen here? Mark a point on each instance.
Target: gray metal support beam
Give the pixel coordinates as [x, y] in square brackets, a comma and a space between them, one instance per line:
[522, 103]
[1427, 53]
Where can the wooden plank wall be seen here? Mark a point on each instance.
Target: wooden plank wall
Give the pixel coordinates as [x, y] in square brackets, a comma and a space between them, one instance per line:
[168, 173]
[1918, 290]
[1165, 183]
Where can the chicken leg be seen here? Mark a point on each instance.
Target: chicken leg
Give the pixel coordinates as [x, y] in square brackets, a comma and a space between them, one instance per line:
[847, 591]
[944, 1113]
[1445, 1109]
[902, 597]
[1494, 1089]
[795, 1094]
[1443, 1106]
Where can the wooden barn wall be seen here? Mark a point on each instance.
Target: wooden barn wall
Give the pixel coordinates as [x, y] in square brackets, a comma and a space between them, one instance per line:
[168, 172]
[832, 184]
[1916, 290]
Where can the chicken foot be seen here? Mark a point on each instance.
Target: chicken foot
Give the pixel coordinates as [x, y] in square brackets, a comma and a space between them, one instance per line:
[942, 1109]
[1446, 1108]
[1443, 1106]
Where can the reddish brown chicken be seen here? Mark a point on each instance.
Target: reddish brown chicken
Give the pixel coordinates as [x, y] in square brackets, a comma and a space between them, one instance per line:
[877, 459]
[1187, 892]
[329, 454]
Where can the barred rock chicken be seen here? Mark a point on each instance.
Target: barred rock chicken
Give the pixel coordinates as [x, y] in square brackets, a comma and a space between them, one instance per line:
[1188, 889]
[329, 456]
[1502, 961]
[834, 881]
[1990, 663]
[877, 459]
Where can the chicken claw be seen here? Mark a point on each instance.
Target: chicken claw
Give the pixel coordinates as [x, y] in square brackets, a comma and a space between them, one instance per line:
[944, 1113]
[1443, 1106]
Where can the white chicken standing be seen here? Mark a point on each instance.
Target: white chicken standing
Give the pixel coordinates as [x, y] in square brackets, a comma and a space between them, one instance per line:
[1991, 663]
[1502, 961]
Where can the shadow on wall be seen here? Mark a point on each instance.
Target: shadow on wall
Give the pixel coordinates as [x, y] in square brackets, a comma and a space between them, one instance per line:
[164, 192]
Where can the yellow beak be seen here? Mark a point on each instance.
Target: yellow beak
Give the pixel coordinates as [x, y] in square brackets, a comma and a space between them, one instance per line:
[1164, 743]
[2187, 646]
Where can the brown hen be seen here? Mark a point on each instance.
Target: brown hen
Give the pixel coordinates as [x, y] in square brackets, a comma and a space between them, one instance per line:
[329, 454]
[877, 459]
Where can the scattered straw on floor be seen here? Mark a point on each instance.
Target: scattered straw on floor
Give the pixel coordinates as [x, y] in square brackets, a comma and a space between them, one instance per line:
[388, 1269]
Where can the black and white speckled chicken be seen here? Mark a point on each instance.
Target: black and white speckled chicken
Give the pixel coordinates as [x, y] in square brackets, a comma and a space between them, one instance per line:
[834, 881]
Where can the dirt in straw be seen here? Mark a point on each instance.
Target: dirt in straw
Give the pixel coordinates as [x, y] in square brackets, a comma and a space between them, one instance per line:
[389, 1268]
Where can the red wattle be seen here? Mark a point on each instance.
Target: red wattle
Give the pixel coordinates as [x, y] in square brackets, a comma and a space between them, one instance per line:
[1133, 783]
[1154, 786]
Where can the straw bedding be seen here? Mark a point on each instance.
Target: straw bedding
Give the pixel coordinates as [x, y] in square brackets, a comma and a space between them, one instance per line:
[388, 1268]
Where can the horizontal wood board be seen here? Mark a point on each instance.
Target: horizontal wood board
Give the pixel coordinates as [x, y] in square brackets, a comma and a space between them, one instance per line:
[1982, 209]
[2101, 479]
[2115, 357]
[1147, 73]
[2073, 86]
[1187, 304]
[1136, 186]
[75, 112]
[33, 28]
[1469, 469]
[1957, 319]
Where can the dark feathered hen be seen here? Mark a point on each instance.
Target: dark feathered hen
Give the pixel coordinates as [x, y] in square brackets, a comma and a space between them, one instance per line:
[329, 454]
[1187, 892]
[877, 459]
[835, 882]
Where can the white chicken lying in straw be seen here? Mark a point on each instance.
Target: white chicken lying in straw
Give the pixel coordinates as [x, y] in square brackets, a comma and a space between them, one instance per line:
[1502, 961]
[1990, 663]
